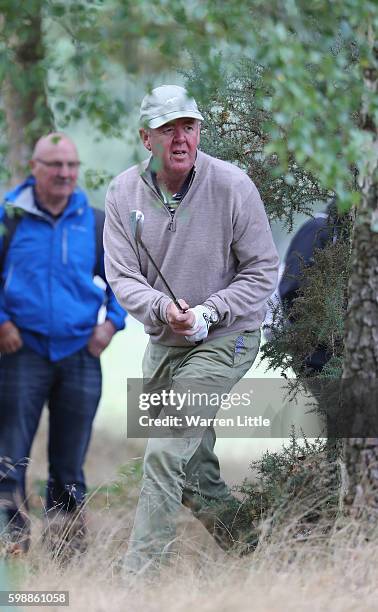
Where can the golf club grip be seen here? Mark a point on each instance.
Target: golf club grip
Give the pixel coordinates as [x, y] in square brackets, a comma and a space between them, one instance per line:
[172, 295]
[178, 305]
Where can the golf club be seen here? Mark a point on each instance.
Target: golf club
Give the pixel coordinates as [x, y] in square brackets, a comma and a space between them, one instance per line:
[136, 222]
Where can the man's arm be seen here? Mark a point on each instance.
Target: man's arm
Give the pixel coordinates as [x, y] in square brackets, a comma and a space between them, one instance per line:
[313, 235]
[10, 338]
[115, 321]
[258, 262]
[101, 338]
[114, 312]
[4, 316]
[123, 272]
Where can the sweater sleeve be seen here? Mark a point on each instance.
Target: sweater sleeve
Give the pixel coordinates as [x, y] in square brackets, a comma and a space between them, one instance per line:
[123, 271]
[258, 262]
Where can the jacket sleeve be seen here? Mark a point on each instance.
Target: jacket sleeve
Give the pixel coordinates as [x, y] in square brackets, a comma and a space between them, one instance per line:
[114, 312]
[313, 235]
[4, 316]
[258, 262]
[123, 271]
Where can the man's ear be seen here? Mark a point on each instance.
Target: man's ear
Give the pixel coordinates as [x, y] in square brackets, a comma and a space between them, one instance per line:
[145, 138]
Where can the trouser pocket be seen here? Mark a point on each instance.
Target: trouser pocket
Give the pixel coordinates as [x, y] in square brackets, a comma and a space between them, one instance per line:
[245, 348]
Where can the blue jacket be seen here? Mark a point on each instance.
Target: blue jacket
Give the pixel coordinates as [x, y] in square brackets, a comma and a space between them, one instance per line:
[46, 286]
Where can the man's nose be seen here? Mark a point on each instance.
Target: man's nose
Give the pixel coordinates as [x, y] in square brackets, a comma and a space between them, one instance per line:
[179, 133]
[64, 170]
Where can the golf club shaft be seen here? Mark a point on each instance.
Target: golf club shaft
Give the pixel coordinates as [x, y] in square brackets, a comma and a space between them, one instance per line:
[175, 300]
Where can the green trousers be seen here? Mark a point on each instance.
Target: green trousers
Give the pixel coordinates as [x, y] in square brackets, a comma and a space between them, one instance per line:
[184, 469]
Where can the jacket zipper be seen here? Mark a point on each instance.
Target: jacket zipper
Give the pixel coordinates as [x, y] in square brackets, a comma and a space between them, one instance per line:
[65, 247]
[171, 225]
[155, 194]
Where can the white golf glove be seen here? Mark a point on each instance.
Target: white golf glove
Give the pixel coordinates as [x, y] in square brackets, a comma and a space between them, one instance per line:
[201, 323]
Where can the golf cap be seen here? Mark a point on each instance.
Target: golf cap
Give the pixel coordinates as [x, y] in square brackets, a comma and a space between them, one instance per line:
[165, 104]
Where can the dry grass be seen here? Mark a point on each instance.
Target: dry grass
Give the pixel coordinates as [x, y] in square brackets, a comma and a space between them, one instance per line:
[337, 572]
[280, 576]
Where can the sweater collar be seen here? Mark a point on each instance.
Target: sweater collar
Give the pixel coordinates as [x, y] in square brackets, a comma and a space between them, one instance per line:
[148, 174]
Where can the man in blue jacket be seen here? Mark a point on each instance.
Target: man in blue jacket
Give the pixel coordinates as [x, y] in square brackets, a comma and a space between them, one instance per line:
[315, 234]
[50, 338]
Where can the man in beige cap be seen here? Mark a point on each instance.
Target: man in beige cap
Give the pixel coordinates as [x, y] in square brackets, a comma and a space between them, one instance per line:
[207, 231]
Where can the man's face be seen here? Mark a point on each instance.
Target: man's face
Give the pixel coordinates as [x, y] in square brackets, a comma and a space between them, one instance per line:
[174, 144]
[55, 166]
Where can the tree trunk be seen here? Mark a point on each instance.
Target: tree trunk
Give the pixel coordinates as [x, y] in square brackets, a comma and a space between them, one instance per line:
[360, 372]
[23, 92]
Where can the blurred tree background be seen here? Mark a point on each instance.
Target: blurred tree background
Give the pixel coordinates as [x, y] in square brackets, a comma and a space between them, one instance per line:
[289, 90]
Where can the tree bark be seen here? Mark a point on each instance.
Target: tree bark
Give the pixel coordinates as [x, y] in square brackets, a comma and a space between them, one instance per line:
[360, 372]
[23, 91]
[359, 390]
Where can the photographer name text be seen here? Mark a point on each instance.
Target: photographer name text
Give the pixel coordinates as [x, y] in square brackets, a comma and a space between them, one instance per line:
[200, 421]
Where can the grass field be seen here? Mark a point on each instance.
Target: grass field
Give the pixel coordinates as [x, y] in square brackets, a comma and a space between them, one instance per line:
[333, 572]
[337, 572]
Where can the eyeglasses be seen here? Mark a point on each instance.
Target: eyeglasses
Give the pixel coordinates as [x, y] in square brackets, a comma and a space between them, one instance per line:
[58, 165]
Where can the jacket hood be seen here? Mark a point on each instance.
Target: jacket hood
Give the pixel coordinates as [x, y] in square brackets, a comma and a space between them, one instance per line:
[22, 197]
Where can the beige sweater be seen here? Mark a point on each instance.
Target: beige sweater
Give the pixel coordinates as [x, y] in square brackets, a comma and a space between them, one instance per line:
[219, 249]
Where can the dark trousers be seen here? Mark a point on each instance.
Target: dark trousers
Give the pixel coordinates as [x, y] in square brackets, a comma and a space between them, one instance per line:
[72, 388]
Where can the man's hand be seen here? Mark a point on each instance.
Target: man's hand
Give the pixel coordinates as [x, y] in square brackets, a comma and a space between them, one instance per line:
[180, 322]
[202, 322]
[101, 337]
[10, 339]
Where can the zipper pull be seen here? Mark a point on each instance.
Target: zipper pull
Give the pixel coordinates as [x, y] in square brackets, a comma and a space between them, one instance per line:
[171, 226]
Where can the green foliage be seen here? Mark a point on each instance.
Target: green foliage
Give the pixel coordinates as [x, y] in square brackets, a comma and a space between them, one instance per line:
[11, 211]
[120, 492]
[22, 68]
[295, 487]
[317, 315]
[59, 61]
[236, 129]
[96, 178]
[5, 171]
[317, 55]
